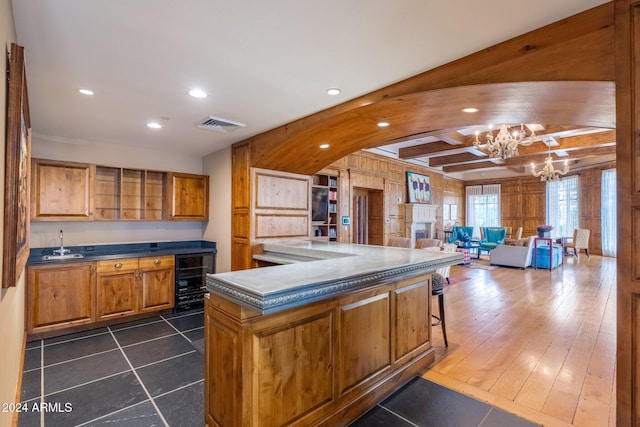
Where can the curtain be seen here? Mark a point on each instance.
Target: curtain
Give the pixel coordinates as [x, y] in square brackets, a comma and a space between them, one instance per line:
[562, 206]
[483, 207]
[608, 213]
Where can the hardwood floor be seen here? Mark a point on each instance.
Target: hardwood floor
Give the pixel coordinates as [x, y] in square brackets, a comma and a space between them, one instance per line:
[535, 343]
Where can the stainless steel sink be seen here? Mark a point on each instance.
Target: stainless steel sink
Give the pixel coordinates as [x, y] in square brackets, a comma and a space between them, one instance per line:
[65, 256]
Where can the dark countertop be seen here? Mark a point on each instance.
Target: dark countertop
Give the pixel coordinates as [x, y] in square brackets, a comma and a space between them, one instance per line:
[127, 250]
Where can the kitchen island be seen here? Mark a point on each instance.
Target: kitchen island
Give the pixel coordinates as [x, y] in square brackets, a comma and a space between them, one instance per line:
[318, 338]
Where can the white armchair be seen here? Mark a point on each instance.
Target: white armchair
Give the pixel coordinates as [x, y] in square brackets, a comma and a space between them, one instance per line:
[513, 256]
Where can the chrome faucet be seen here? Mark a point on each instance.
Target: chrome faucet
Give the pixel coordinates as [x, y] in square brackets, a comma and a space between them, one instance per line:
[62, 250]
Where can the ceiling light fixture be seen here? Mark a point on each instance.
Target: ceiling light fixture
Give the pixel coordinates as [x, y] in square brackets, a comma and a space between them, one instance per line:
[504, 144]
[333, 91]
[548, 172]
[383, 124]
[470, 110]
[324, 146]
[87, 92]
[198, 93]
[154, 125]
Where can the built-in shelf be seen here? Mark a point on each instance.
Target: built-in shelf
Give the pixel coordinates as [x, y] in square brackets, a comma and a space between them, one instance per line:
[327, 229]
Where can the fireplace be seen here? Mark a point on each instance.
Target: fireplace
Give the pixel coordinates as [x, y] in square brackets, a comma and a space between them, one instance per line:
[420, 221]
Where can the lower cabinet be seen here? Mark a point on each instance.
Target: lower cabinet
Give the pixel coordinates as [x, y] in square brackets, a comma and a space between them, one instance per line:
[60, 296]
[66, 295]
[134, 285]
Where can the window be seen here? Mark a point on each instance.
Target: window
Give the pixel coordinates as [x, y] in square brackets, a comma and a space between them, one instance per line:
[483, 206]
[562, 206]
[608, 212]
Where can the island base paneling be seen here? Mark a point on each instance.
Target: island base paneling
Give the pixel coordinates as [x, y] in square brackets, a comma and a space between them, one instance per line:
[323, 363]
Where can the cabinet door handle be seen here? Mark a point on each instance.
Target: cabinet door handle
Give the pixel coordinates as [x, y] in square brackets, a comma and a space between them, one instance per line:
[118, 265]
[156, 262]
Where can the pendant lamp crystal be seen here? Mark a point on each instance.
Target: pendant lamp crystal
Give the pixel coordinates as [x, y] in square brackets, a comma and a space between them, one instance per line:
[548, 172]
[504, 144]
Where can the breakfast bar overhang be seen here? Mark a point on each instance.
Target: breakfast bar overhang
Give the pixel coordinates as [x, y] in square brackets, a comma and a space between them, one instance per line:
[319, 337]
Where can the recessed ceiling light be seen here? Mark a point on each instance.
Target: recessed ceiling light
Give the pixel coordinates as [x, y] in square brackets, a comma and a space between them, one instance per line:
[154, 125]
[383, 124]
[86, 91]
[198, 93]
[333, 91]
[323, 146]
[470, 110]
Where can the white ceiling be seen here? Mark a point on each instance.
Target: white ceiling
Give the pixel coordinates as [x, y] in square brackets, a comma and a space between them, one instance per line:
[263, 63]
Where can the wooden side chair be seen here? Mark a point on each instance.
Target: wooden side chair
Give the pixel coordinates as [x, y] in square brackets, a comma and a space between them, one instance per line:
[580, 241]
[399, 242]
[428, 243]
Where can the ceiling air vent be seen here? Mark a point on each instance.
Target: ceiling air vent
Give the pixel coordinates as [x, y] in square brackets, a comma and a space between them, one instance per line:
[219, 125]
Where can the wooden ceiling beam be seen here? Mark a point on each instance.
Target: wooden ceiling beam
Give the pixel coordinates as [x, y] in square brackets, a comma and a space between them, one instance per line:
[465, 167]
[457, 158]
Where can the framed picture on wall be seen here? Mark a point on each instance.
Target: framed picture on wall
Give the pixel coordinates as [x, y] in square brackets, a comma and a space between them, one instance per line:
[418, 188]
[17, 164]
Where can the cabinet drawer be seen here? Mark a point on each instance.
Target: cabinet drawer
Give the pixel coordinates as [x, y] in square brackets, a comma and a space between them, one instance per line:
[116, 265]
[156, 262]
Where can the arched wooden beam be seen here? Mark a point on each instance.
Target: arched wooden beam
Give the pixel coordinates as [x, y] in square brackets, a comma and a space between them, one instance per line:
[586, 103]
[577, 48]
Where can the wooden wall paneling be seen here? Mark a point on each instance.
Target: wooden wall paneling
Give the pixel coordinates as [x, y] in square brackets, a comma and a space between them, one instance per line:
[627, 48]
[280, 206]
[240, 206]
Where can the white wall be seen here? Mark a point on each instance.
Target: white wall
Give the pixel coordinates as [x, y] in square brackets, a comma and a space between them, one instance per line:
[46, 234]
[12, 304]
[218, 166]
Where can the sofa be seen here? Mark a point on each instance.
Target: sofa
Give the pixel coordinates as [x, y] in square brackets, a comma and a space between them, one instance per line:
[513, 256]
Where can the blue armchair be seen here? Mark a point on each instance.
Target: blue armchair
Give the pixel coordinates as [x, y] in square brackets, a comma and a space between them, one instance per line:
[457, 228]
[493, 236]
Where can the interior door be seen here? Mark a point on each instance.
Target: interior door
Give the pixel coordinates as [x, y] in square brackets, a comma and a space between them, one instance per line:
[368, 216]
[360, 207]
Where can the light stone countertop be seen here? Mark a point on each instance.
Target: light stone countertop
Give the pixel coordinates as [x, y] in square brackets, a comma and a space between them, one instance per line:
[312, 271]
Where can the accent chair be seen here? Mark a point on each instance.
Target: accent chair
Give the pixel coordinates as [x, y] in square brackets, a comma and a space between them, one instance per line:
[493, 236]
[513, 240]
[456, 229]
[580, 241]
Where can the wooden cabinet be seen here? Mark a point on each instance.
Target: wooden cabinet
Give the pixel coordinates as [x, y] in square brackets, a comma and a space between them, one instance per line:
[81, 293]
[323, 363]
[117, 290]
[60, 296]
[189, 196]
[136, 285]
[68, 191]
[156, 288]
[61, 190]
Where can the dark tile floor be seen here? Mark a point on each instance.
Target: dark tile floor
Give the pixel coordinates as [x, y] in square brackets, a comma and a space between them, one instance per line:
[150, 373]
[423, 403]
[144, 373]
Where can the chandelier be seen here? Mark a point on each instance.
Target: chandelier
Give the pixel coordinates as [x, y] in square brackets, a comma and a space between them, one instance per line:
[504, 144]
[548, 172]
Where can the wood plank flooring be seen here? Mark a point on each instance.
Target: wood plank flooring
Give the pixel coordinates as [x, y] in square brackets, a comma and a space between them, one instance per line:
[536, 343]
